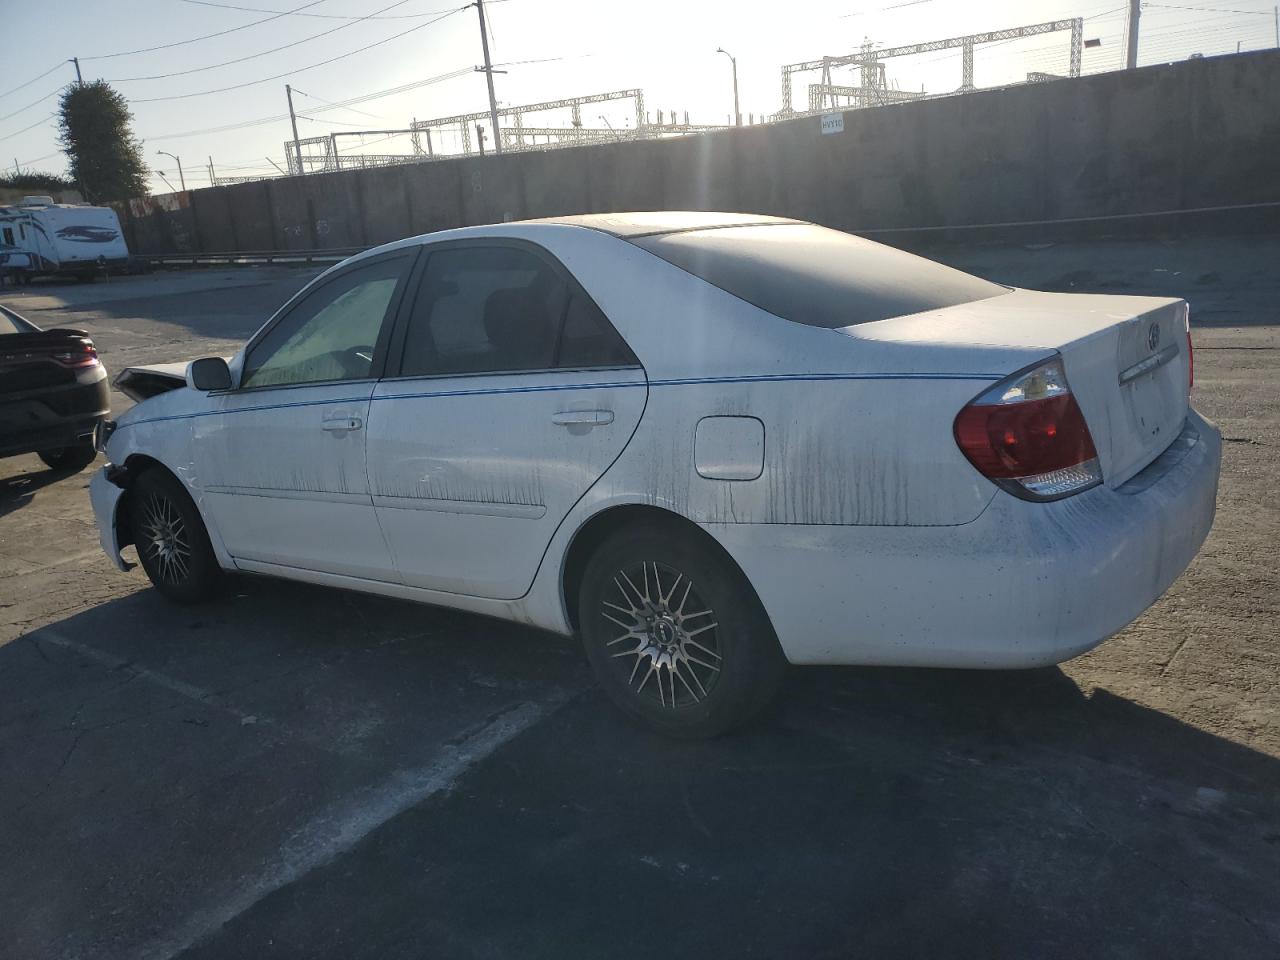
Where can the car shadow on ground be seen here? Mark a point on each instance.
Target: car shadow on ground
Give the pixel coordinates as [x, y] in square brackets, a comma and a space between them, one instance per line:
[156, 756]
[19, 489]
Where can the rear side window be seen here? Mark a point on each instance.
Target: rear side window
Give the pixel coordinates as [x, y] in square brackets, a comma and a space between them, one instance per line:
[816, 276]
[589, 340]
[503, 309]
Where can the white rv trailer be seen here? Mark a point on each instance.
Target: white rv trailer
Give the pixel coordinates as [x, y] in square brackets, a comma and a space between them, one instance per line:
[61, 238]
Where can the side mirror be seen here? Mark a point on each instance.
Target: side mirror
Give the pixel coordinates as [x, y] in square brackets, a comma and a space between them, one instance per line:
[208, 374]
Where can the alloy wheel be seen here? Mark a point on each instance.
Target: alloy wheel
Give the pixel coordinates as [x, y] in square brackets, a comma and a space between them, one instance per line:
[164, 539]
[669, 650]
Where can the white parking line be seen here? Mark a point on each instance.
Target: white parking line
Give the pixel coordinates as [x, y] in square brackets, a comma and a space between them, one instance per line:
[334, 830]
[112, 662]
[338, 829]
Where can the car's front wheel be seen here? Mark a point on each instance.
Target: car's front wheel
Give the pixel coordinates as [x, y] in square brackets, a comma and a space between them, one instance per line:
[171, 539]
[71, 459]
[675, 634]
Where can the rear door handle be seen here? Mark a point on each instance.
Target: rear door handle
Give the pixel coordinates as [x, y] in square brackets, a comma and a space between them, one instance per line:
[593, 418]
[342, 424]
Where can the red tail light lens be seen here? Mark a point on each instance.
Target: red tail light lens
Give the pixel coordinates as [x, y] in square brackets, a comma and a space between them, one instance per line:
[1027, 435]
[83, 354]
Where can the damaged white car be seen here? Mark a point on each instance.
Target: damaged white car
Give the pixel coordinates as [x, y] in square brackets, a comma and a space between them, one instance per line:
[708, 444]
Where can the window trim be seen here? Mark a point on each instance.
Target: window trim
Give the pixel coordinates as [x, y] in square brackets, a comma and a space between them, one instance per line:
[381, 348]
[395, 355]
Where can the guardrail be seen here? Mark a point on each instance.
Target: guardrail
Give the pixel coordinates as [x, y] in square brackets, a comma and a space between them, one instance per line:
[247, 257]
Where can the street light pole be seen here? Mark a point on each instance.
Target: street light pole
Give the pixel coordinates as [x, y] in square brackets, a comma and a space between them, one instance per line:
[181, 179]
[737, 112]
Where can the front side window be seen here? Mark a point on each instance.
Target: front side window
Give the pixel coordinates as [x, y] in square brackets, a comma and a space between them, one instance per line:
[8, 236]
[332, 334]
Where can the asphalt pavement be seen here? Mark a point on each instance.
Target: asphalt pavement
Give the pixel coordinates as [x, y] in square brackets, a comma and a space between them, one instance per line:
[293, 771]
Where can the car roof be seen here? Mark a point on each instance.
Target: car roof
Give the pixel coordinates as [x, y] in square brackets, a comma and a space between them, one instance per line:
[648, 223]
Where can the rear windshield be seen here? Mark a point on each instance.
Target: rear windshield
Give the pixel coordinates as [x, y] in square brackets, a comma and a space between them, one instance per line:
[816, 276]
[9, 323]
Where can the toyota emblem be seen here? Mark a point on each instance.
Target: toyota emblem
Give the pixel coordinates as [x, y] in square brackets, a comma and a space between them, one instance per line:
[1153, 336]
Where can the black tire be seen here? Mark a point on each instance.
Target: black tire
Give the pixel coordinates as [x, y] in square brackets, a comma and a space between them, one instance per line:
[72, 459]
[713, 670]
[171, 539]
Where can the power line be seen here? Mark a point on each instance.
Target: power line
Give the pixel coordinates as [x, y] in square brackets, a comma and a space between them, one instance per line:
[254, 56]
[896, 6]
[289, 73]
[22, 86]
[207, 36]
[52, 116]
[33, 103]
[341, 104]
[298, 13]
[312, 96]
[47, 156]
[341, 123]
[1169, 6]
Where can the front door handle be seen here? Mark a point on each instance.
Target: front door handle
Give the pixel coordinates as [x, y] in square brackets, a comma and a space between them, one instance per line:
[342, 424]
[591, 418]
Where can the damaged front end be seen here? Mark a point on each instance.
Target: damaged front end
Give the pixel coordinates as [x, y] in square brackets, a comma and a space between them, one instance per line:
[143, 383]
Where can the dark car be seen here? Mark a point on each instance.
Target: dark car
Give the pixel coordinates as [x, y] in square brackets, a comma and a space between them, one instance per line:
[53, 393]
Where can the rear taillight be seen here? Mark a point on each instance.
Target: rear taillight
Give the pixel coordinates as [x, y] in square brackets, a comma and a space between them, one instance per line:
[82, 354]
[1027, 435]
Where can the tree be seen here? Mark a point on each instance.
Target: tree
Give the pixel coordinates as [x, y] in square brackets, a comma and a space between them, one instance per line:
[105, 156]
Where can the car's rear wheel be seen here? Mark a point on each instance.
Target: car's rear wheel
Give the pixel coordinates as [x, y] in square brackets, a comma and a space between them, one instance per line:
[171, 539]
[675, 634]
[73, 458]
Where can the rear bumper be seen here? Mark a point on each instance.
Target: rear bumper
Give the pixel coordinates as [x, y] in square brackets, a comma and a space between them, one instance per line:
[1024, 585]
[49, 419]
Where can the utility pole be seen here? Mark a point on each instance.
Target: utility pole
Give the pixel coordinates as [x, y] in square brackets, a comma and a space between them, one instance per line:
[488, 75]
[76, 61]
[297, 147]
[1135, 11]
[212, 178]
[1276, 13]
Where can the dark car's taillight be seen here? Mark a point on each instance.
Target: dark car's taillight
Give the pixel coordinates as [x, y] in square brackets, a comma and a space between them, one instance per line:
[79, 354]
[1027, 435]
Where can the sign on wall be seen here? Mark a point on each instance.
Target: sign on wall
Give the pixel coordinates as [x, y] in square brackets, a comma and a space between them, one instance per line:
[832, 123]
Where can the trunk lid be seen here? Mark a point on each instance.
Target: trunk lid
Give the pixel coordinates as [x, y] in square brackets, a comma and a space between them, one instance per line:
[40, 359]
[1125, 357]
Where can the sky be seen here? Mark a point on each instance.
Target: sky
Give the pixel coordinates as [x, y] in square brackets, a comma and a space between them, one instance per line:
[550, 49]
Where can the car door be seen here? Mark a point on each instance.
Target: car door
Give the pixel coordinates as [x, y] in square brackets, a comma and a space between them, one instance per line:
[511, 395]
[281, 458]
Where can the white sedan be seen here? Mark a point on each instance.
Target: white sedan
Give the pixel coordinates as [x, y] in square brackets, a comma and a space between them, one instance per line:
[708, 444]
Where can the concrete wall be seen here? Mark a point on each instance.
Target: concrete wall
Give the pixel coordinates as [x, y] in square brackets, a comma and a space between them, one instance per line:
[1194, 134]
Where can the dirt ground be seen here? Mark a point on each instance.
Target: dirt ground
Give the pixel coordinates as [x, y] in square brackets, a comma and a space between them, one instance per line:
[292, 771]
